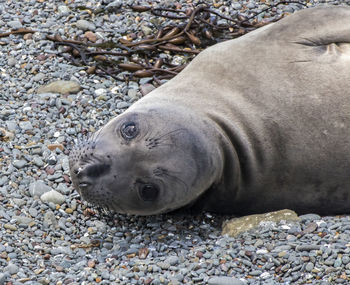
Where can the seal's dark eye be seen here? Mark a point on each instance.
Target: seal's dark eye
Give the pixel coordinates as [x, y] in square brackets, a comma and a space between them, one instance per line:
[129, 130]
[148, 192]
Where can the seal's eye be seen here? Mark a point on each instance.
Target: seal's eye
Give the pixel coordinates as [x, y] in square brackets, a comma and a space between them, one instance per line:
[129, 130]
[148, 192]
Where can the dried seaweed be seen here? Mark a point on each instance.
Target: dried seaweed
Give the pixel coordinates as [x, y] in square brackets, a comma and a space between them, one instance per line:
[193, 29]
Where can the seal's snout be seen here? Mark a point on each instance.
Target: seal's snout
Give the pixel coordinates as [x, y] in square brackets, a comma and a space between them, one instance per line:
[87, 167]
[86, 175]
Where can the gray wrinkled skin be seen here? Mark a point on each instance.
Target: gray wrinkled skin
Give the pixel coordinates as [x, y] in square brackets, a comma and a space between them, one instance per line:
[255, 124]
[109, 170]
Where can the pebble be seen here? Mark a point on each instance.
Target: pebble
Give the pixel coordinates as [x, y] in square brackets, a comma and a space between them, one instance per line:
[38, 188]
[309, 266]
[63, 9]
[85, 25]
[144, 89]
[122, 105]
[25, 125]
[3, 277]
[100, 92]
[224, 280]
[172, 260]
[60, 86]
[12, 269]
[19, 163]
[49, 219]
[91, 36]
[53, 197]
[310, 217]
[10, 227]
[15, 24]
[114, 6]
[23, 220]
[38, 77]
[307, 247]
[11, 61]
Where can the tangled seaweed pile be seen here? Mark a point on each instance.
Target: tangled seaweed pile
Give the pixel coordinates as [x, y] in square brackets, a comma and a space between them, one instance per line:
[190, 30]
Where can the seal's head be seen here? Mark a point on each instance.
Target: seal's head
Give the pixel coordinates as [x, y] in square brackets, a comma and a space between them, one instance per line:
[144, 162]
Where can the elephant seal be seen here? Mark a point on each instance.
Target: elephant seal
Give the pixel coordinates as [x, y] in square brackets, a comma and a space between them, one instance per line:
[254, 124]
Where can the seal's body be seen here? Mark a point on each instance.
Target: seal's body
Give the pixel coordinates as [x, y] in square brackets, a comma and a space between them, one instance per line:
[255, 124]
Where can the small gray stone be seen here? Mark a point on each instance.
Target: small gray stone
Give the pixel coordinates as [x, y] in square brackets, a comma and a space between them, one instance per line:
[236, 6]
[49, 219]
[19, 202]
[100, 92]
[19, 163]
[62, 188]
[345, 259]
[225, 280]
[307, 247]
[62, 9]
[65, 164]
[85, 25]
[38, 161]
[71, 131]
[53, 197]
[309, 266]
[144, 89]
[163, 265]
[132, 93]
[309, 217]
[25, 125]
[250, 5]
[155, 282]
[146, 30]
[122, 105]
[337, 262]
[172, 260]
[11, 61]
[3, 277]
[23, 220]
[38, 188]
[114, 6]
[15, 24]
[100, 226]
[3, 180]
[11, 126]
[33, 212]
[255, 273]
[12, 268]
[38, 77]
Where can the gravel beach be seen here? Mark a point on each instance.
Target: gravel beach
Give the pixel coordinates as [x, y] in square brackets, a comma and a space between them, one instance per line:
[49, 236]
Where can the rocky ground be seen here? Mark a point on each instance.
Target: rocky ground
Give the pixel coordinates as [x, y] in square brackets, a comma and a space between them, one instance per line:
[49, 236]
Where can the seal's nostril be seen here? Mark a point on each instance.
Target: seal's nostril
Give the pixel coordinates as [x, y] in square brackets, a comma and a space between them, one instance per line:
[97, 170]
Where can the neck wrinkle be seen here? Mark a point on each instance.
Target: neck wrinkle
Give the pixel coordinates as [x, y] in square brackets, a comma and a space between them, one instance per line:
[227, 185]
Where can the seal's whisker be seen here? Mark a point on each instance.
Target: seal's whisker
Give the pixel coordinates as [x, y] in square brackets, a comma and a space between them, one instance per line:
[94, 139]
[177, 180]
[170, 133]
[162, 140]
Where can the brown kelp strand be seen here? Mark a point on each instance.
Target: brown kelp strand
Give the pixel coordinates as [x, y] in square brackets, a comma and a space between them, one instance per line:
[188, 30]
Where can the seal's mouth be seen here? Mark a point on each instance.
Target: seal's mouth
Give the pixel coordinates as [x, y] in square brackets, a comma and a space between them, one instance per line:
[84, 186]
